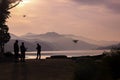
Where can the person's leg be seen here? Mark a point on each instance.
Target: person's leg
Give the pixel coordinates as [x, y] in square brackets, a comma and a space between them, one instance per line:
[37, 56]
[24, 57]
[16, 57]
[21, 57]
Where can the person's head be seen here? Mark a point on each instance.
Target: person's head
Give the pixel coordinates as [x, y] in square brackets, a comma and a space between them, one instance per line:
[38, 44]
[22, 43]
[16, 41]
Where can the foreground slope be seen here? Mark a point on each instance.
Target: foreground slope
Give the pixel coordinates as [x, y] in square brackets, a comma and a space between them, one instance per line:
[38, 70]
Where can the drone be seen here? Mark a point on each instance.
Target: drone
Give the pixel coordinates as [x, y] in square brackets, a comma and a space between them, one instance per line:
[24, 15]
[75, 41]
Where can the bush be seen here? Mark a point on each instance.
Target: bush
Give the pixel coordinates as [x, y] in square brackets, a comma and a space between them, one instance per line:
[8, 54]
[113, 62]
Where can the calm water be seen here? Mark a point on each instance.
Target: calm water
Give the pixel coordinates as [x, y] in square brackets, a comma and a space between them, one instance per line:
[32, 55]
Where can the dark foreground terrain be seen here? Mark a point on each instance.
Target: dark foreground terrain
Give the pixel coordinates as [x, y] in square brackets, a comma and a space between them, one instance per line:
[52, 69]
[100, 67]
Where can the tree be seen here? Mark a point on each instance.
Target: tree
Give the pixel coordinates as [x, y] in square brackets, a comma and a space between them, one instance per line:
[5, 6]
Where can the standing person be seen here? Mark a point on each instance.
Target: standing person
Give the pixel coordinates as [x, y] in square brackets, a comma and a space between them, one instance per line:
[23, 50]
[38, 51]
[16, 51]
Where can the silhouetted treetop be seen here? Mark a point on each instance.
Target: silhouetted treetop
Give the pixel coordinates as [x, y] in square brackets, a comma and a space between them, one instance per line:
[5, 5]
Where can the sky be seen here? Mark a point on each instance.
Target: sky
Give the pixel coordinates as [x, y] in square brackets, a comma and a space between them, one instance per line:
[95, 19]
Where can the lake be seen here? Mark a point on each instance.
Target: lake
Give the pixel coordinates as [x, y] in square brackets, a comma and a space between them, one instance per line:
[69, 53]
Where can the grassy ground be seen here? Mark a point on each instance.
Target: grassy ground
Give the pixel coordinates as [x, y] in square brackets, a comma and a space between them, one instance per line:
[51, 69]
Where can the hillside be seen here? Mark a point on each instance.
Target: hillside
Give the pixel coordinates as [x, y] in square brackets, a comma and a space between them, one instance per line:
[31, 46]
[116, 46]
[49, 41]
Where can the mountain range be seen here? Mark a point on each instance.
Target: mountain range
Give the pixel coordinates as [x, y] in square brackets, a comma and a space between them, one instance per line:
[55, 41]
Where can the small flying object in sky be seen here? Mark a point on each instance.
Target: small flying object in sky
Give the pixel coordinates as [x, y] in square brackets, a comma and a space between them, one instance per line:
[75, 41]
[24, 15]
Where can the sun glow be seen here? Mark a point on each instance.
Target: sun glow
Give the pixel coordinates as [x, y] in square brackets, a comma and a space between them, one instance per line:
[24, 2]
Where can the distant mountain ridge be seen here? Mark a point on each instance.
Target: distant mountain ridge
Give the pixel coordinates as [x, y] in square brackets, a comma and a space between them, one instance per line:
[53, 41]
[116, 46]
[100, 43]
[91, 41]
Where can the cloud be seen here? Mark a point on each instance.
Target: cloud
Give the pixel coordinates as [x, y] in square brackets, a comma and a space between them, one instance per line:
[113, 5]
[87, 18]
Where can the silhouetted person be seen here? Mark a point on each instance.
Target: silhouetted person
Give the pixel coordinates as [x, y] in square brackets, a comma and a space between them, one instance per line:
[38, 51]
[16, 51]
[23, 50]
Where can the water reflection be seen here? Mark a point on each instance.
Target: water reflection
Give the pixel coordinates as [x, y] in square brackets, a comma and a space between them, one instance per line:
[69, 53]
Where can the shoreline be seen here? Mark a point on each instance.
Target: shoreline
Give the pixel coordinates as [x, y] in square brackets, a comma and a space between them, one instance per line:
[72, 53]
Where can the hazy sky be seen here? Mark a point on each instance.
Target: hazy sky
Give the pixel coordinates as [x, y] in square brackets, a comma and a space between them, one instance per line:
[95, 19]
